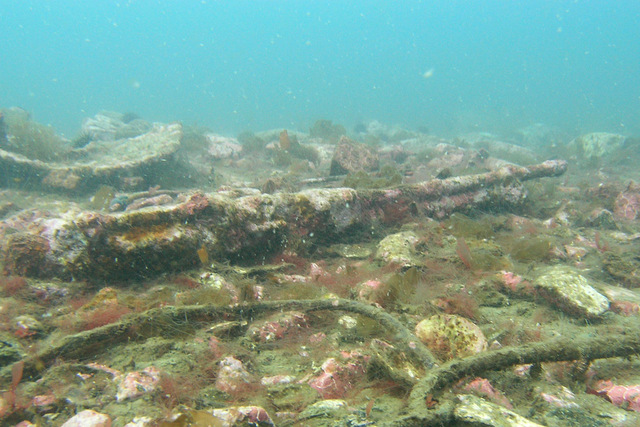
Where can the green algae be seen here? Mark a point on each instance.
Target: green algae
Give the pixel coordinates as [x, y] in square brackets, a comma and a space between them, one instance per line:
[387, 177]
[462, 225]
[31, 139]
[532, 249]
[624, 267]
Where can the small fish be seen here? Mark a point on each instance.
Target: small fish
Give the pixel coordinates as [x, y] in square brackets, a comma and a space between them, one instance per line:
[428, 74]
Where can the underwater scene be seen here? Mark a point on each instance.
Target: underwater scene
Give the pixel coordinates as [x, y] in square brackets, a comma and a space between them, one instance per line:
[296, 213]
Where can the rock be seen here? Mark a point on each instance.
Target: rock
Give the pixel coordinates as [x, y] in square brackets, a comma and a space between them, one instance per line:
[449, 336]
[349, 251]
[222, 147]
[242, 415]
[627, 203]
[558, 396]
[103, 126]
[89, 418]
[323, 409]
[398, 248]
[339, 376]
[571, 292]
[278, 326]
[27, 252]
[136, 384]
[232, 377]
[624, 396]
[482, 387]
[603, 219]
[26, 326]
[151, 155]
[351, 156]
[477, 411]
[596, 145]
[623, 266]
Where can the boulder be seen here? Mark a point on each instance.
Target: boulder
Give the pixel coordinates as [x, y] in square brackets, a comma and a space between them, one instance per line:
[151, 155]
[571, 292]
[593, 146]
[351, 156]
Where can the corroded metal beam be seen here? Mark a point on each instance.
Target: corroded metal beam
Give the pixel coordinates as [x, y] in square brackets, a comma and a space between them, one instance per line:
[144, 243]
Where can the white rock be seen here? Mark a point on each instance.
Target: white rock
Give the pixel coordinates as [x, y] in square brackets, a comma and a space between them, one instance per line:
[571, 292]
[88, 418]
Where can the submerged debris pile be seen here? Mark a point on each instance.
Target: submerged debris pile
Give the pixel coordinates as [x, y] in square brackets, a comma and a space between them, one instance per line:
[434, 284]
[166, 238]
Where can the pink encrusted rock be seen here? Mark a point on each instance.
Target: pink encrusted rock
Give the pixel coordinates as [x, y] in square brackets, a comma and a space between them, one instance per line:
[162, 199]
[561, 398]
[351, 156]
[370, 291]
[135, 384]
[483, 387]
[625, 308]
[317, 338]
[627, 397]
[277, 379]
[232, 376]
[222, 147]
[88, 418]
[627, 203]
[316, 272]
[278, 326]
[338, 377]
[510, 280]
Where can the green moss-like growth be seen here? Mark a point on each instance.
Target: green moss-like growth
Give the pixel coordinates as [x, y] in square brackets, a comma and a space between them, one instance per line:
[386, 178]
[401, 286]
[31, 139]
[325, 129]
[532, 249]
[624, 267]
[464, 226]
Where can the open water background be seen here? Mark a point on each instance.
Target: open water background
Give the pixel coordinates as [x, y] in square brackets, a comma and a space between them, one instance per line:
[252, 65]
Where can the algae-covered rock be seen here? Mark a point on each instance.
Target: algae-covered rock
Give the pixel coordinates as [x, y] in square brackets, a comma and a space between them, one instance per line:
[595, 145]
[571, 292]
[398, 248]
[328, 408]
[103, 162]
[449, 336]
[624, 267]
[350, 251]
[477, 411]
[351, 157]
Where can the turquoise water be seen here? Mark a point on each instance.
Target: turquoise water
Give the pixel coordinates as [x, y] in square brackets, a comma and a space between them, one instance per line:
[251, 65]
